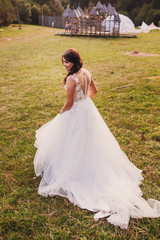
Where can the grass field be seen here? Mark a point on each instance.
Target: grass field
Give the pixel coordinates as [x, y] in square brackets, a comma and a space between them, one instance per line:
[31, 76]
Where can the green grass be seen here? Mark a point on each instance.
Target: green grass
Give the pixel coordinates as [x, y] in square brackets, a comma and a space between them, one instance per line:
[31, 76]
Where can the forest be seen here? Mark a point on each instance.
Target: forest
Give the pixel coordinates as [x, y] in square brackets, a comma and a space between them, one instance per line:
[29, 10]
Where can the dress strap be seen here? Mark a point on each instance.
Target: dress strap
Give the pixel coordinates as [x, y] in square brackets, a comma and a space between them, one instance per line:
[85, 81]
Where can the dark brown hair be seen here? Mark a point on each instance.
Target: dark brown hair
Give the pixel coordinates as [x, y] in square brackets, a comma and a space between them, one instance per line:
[71, 55]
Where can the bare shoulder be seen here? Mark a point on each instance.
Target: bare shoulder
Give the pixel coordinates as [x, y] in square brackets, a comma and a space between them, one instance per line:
[86, 72]
[70, 79]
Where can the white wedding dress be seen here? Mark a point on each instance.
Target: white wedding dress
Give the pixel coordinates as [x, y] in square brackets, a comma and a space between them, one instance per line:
[79, 158]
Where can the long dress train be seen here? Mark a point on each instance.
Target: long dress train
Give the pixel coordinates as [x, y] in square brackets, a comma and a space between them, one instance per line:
[79, 158]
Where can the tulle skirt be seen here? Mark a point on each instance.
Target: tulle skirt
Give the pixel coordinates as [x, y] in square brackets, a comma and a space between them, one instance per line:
[79, 158]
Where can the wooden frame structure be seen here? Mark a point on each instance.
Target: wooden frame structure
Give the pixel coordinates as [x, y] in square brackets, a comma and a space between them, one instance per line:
[101, 21]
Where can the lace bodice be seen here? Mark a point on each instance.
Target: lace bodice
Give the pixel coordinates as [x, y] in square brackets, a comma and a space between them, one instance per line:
[79, 94]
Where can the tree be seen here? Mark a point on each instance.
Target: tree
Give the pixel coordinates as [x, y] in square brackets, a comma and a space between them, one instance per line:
[54, 5]
[17, 10]
[156, 4]
[46, 10]
[65, 3]
[7, 12]
[142, 15]
[83, 3]
[35, 12]
[24, 11]
[57, 8]
[156, 17]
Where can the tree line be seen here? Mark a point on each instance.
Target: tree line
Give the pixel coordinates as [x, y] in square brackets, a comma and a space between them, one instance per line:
[29, 10]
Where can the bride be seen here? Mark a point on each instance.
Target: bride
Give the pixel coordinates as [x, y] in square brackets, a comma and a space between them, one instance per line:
[79, 158]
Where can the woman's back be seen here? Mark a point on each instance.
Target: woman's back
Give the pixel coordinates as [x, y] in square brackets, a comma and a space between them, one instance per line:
[84, 79]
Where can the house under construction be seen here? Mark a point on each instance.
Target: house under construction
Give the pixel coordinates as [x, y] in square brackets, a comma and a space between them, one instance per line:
[100, 21]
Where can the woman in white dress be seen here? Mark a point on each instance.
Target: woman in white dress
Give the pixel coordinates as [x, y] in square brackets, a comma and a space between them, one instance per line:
[79, 158]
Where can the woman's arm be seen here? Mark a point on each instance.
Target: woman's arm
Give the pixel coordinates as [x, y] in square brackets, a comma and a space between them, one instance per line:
[70, 89]
[93, 89]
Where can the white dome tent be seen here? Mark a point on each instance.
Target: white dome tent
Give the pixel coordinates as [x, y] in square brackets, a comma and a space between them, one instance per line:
[126, 24]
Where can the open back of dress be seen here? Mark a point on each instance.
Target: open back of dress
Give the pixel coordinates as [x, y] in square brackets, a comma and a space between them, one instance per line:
[82, 88]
